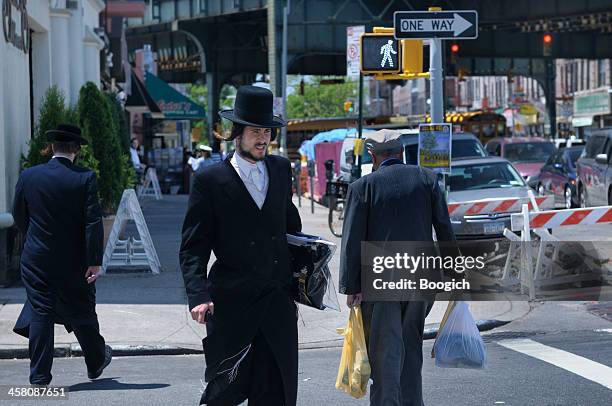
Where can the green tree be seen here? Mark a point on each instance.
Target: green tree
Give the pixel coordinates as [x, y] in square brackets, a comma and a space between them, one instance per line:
[199, 94]
[120, 121]
[86, 157]
[96, 122]
[53, 112]
[320, 100]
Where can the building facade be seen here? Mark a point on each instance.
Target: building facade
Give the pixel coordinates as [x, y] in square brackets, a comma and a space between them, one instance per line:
[584, 91]
[43, 43]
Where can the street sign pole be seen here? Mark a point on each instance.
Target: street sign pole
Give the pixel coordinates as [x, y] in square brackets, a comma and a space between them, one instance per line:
[436, 81]
[360, 123]
[283, 137]
[436, 85]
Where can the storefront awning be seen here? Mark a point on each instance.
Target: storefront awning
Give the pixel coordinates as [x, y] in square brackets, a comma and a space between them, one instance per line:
[140, 101]
[172, 103]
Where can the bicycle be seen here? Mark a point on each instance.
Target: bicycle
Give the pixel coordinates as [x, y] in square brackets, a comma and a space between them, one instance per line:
[336, 194]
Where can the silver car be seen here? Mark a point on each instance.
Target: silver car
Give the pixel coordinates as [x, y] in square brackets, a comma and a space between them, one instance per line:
[483, 178]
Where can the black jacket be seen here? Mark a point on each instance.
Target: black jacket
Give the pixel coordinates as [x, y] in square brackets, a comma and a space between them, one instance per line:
[57, 209]
[250, 281]
[397, 202]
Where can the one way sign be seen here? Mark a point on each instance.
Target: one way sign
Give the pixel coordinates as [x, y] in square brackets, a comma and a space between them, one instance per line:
[435, 24]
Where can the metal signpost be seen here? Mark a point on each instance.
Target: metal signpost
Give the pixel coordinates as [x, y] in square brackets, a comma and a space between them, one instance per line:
[436, 25]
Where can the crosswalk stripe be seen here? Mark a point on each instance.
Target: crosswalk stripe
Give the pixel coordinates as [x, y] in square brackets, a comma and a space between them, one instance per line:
[576, 364]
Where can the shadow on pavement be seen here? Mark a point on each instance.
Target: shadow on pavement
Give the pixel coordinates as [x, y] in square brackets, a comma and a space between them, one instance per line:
[113, 384]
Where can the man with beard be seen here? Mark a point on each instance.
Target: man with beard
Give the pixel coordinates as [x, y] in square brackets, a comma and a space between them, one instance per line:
[241, 210]
[57, 209]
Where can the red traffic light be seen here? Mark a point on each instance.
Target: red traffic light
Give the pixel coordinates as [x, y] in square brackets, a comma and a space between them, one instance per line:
[455, 48]
[547, 38]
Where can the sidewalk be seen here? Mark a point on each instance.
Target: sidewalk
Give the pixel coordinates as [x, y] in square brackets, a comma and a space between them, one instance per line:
[142, 313]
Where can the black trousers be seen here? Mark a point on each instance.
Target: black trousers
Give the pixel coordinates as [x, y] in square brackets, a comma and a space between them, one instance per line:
[260, 381]
[41, 347]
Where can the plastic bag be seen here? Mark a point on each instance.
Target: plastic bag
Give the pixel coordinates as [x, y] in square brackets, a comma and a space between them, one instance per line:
[313, 283]
[354, 369]
[458, 344]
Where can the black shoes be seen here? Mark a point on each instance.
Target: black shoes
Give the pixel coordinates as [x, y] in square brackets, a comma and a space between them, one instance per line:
[108, 356]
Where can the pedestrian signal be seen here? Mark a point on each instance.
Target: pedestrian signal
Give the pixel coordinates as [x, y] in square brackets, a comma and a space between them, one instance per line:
[380, 53]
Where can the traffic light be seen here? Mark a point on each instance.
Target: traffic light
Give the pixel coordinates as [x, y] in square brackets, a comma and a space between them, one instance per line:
[348, 106]
[455, 48]
[547, 41]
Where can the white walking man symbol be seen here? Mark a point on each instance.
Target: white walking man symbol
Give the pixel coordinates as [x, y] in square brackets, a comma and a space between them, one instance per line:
[387, 50]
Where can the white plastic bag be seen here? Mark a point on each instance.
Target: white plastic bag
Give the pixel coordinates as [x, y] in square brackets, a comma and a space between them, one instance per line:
[458, 344]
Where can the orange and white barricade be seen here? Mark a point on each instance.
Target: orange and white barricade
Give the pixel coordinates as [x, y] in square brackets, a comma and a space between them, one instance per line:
[492, 206]
[539, 222]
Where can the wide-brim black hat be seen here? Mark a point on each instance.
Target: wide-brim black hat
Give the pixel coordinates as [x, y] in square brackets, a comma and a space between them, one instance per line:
[66, 133]
[253, 107]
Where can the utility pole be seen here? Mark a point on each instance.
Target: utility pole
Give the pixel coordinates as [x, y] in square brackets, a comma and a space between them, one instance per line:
[283, 137]
[436, 77]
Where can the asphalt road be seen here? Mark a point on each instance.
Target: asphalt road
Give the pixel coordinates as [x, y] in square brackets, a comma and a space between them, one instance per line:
[556, 337]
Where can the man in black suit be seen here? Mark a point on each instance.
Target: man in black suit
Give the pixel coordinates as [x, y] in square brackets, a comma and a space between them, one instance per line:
[56, 208]
[241, 210]
[396, 202]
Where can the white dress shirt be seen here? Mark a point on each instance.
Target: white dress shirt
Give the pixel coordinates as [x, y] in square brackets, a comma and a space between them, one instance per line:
[135, 158]
[254, 176]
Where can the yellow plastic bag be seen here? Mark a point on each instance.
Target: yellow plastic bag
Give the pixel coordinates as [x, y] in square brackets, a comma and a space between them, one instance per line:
[354, 369]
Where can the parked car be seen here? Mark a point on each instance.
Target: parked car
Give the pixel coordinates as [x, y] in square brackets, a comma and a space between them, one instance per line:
[527, 154]
[483, 178]
[558, 177]
[594, 169]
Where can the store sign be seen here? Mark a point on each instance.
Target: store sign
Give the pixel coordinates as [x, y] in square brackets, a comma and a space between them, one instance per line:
[15, 23]
[435, 146]
[593, 104]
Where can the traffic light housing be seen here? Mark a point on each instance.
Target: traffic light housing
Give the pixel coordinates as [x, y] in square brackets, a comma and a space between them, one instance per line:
[547, 41]
[348, 106]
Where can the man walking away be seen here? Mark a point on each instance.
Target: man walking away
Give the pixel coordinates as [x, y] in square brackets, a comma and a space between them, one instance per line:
[56, 208]
[396, 202]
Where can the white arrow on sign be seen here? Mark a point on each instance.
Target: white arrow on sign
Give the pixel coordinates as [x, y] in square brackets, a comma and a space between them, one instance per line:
[457, 25]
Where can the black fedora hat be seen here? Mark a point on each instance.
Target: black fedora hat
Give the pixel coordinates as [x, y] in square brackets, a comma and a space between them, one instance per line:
[66, 133]
[253, 107]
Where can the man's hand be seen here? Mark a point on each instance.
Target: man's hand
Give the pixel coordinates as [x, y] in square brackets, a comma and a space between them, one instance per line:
[198, 313]
[92, 273]
[354, 300]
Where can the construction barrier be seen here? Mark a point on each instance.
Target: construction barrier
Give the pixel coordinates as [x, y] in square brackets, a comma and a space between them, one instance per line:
[490, 206]
[541, 273]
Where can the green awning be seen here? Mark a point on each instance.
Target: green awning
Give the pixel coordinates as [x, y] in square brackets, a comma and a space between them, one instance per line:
[172, 103]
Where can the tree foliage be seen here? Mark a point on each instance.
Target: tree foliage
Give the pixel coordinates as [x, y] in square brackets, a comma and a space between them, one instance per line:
[53, 111]
[95, 114]
[320, 100]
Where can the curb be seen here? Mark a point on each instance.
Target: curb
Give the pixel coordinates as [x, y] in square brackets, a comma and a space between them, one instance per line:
[120, 350]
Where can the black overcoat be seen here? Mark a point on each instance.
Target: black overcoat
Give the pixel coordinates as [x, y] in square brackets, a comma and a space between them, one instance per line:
[250, 281]
[56, 207]
[396, 202]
